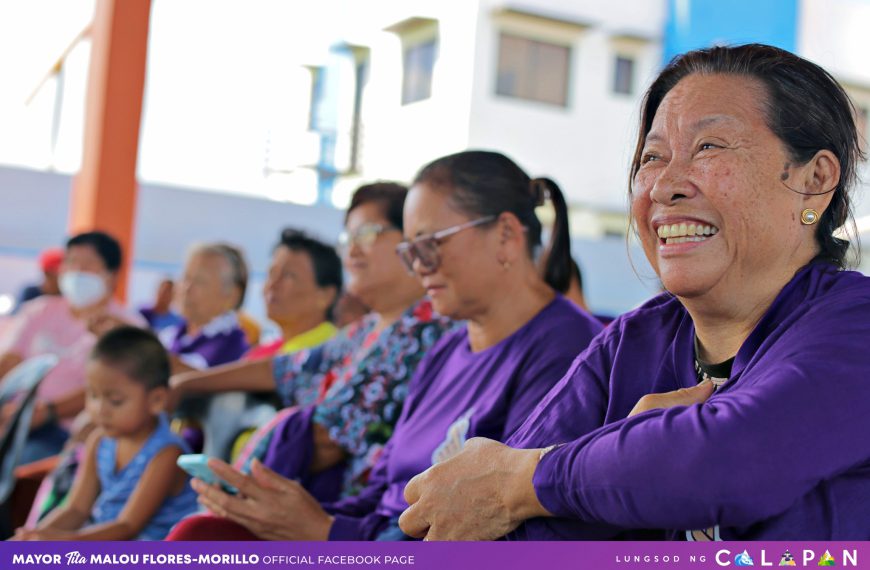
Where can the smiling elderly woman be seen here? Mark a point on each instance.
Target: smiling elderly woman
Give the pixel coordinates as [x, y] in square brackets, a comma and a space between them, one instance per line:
[738, 405]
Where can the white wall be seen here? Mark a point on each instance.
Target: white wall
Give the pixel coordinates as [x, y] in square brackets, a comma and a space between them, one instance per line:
[834, 34]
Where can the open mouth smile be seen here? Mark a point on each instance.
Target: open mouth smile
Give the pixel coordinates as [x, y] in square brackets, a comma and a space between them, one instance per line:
[670, 234]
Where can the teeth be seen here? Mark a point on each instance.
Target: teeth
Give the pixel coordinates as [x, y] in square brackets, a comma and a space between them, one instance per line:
[670, 241]
[674, 231]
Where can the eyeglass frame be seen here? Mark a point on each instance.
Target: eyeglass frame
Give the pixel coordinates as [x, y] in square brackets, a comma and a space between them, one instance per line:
[438, 238]
[347, 241]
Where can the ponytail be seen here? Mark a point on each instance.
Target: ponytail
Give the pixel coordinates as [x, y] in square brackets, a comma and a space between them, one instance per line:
[555, 260]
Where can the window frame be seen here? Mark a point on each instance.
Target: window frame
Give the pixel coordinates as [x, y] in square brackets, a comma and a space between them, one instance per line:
[534, 41]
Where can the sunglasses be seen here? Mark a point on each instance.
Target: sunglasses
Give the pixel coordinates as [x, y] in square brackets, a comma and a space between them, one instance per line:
[363, 237]
[424, 249]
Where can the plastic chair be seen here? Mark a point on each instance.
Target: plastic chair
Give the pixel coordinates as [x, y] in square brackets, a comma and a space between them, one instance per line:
[228, 415]
[20, 384]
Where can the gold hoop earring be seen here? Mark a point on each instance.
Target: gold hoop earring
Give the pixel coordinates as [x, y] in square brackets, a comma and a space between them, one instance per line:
[809, 217]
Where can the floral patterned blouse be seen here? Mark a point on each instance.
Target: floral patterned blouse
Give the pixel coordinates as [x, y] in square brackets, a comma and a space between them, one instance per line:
[358, 382]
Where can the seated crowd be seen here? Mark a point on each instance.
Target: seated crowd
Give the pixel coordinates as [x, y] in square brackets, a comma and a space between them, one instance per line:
[456, 386]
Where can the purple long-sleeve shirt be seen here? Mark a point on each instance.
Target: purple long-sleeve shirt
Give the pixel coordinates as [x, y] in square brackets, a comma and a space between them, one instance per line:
[457, 394]
[780, 452]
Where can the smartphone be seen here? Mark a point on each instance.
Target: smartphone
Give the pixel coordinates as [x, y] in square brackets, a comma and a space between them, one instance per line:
[197, 465]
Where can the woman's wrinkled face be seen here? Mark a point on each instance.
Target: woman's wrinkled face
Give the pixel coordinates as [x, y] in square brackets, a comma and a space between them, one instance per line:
[205, 291]
[463, 281]
[709, 200]
[373, 266]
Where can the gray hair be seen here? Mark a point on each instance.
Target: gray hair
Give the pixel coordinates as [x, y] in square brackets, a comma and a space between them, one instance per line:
[238, 273]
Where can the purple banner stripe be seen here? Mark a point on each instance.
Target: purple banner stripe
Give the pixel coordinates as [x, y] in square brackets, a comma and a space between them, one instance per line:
[435, 556]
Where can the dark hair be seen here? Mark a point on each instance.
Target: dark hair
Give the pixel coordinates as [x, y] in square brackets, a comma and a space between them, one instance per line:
[484, 183]
[389, 195]
[135, 352]
[805, 108]
[235, 259]
[324, 259]
[105, 245]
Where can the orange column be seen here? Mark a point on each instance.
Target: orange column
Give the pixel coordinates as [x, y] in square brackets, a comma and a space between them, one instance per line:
[104, 191]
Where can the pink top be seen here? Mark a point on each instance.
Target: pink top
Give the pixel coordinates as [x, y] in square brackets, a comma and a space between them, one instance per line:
[46, 326]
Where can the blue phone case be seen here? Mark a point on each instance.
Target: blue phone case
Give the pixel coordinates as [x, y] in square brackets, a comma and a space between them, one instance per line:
[196, 465]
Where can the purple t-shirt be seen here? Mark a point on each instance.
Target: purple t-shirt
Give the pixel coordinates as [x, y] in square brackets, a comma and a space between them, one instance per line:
[457, 394]
[779, 452]
[218, 342]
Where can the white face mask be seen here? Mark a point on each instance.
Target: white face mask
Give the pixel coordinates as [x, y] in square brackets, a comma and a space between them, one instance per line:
[82, 289]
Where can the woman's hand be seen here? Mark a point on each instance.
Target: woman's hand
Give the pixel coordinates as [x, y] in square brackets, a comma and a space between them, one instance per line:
[682, 397]
[483, 493]
[268, 505]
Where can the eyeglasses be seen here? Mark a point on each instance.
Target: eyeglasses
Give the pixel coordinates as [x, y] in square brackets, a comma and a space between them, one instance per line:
[364, 236]
[425, 248]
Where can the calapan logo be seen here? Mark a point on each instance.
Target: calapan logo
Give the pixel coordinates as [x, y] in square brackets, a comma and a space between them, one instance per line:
[806, 558]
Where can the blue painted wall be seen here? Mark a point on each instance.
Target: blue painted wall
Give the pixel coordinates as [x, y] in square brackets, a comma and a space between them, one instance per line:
[693, 24]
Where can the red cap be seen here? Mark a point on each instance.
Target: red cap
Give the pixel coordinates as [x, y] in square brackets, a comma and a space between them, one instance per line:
[50, 260]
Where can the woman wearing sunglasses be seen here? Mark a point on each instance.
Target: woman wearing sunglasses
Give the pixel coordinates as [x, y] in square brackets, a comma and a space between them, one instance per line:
[471, 235]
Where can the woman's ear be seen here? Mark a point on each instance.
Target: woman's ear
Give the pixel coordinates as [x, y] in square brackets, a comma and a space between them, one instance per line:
[511, 238]
[510, 228]
[820, 176]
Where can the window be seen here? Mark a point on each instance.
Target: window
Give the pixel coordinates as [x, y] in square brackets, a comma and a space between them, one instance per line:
[419, 62]
[533, 70]
[419, 37]
[623, 76]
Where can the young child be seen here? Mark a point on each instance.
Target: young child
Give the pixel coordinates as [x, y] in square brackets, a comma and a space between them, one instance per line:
[128, 486]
